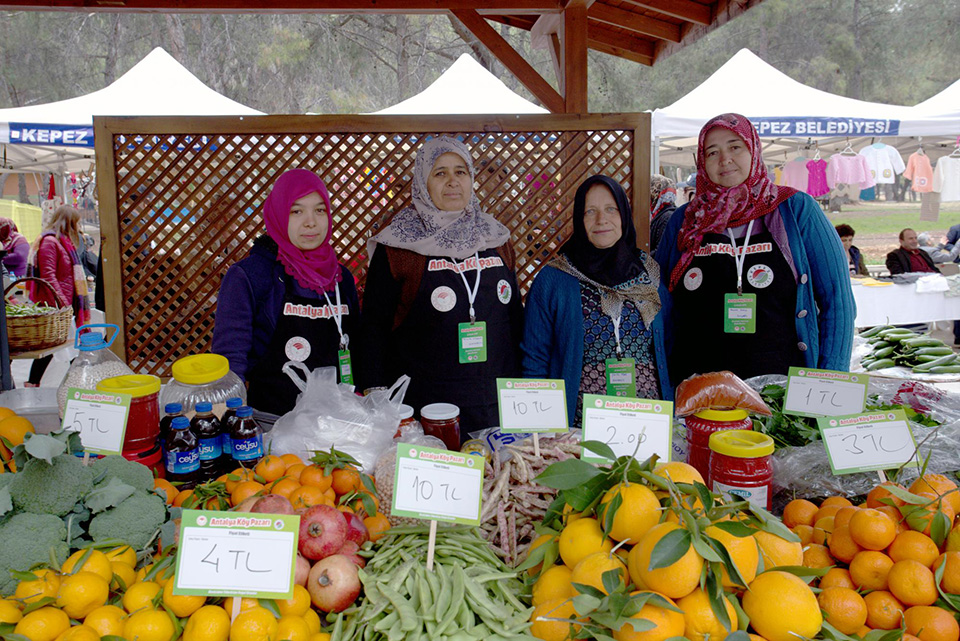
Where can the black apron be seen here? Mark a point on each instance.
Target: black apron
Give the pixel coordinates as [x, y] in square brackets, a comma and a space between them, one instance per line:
[426, 343]
[271, 390]
[701, 345]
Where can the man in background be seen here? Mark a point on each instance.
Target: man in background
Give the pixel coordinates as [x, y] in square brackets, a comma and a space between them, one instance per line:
[909, 258]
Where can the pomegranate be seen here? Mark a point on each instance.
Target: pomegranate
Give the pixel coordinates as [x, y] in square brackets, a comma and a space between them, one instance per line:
[334, 583]
[356, 530]
[272, 504]
[349, 550]
[323, 531]
[302, 571]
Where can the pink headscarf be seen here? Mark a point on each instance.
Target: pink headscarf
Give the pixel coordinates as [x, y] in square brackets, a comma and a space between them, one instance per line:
[316, 269]
[715, 208]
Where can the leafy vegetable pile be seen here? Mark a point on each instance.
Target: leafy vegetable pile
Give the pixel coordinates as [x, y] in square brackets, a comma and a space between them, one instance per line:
[29, 309]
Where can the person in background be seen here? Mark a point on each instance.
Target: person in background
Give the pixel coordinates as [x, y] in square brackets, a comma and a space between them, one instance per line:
[663, 202]
[442, 274]
[757, 273]
[909, 257]
[289, 299]
[937, 252]
[88, 259]
[16, 246]
[598, 300]
[858, 267]
[54, 258]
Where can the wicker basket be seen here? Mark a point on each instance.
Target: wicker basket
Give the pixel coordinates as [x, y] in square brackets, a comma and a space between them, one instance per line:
[26, 333]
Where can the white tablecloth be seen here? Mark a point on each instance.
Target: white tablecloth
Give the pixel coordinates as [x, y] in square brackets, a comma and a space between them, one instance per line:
[901, 304]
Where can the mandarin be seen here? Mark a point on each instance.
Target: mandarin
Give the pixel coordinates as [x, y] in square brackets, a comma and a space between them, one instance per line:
[799, 512]
[884, 611]
[843, 608]
[869, 570]
[912, 583]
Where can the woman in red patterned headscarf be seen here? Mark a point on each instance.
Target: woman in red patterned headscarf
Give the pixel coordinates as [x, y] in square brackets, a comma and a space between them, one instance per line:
[756, 272]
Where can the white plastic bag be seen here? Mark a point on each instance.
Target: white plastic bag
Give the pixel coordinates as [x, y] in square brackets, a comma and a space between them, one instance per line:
[328, 414]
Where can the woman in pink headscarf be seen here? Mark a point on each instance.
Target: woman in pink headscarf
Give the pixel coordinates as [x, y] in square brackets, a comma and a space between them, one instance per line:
[289, 299]
[16, 246]
[757, 275]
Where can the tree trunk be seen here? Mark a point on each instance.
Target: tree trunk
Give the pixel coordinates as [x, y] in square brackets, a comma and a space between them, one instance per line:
[175, 38]
[403, 56]
[112, 47]
[857, 88]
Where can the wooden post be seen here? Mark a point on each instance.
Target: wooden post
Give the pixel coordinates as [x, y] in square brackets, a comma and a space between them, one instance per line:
[575, 57]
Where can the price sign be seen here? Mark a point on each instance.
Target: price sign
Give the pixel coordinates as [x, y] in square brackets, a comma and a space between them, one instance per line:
[867, 442]
[822, 392]
[99, 417]
[237, 554]
[438, 485]
[624, 423]
[532, 405]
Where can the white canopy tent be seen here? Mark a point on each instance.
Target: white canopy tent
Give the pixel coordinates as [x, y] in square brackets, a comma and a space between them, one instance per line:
[58, 136]
[466, 87]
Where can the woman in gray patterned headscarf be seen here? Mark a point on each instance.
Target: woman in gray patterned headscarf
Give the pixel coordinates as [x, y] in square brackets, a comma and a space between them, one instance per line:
[441, 301]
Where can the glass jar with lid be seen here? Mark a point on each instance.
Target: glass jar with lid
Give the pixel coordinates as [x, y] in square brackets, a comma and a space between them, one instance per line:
[203, 378]
[443, 421]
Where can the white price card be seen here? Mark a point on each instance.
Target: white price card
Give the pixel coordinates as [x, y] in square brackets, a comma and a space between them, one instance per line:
[823, 392]
[438, 485]
[627, 426]
[532, 405]
[867, 442]
[237, 554]
[99, 417]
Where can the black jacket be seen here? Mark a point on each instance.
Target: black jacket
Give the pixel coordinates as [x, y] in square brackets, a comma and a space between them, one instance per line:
[898, 261]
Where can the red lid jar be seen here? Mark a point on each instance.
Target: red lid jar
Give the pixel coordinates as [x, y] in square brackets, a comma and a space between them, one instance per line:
[699, 428]
[143, 421]
[443, 421]
[741, 467]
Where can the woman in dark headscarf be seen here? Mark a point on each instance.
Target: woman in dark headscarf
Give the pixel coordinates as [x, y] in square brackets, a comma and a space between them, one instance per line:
[16, 246]
[756, 272]
[289, 300]
[663, 202]
[593, 313]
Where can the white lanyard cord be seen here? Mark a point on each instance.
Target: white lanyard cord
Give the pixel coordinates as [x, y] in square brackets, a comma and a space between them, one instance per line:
[616, 333]
[472, 294]
[742, 257]
[338, 316]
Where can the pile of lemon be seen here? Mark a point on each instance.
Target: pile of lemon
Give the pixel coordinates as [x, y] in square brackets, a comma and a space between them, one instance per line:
[99, 593]
[13, 428]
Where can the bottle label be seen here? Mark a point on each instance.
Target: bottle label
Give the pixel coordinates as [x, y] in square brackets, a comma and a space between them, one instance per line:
[226, 444]
[754, 495]
[210, 448]
[247, 448]
[183, 462]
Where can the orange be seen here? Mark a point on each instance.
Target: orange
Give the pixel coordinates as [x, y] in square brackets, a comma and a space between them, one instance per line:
[895, 516]
[931, 624]
[284, 487]
[377, 526]
[824, 512]
[914, 545]
[346, 480]
[93, 561]
[951, 575]
[822, 530]
[47, 584]
[294, 471]
[580, 539]
[313, 475]
[140, 595]
[14, 428]
[923, 514]
[883, 610]
[839, 501]
[799, 512]
[676, 580]
[181, 497]
[148, 625]
[209, 623]
[297, 605]
[842, 546]
[937, 484]
[82, 593]
[169, 489]
[106, 620]
[123, 554]
[244, 490]
[843, 515]
[638, 512]
[292, 628]
[805, 532]
[744, 551]
[872, 529]
[555, 583]
[291, 459]
[80, 632]
[357, 505]
[9, 611]
[912, 583]
[236, 477]
[880, 495]
[306, 496]
[553, 630]
[869, 570]
[537, 542]
[255, 624]
[44, 624]
[591, 569]
[180, 604]
[123, 575]
[668, 623]
[843, 608]
[837, 578]
[6, 412]
[270, 467]
[776, 551]
[313, 622]
[246, 603]
[817, 556]
[700, 621]
[782, 607]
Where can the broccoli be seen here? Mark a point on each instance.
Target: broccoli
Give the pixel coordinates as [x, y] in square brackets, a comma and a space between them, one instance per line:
[134, 474]
[6, 479]
[51, 489]
[135, 521]
[28, 540]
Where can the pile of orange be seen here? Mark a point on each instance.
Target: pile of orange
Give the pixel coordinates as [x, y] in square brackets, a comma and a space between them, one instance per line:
[13, 428]
[882, 559]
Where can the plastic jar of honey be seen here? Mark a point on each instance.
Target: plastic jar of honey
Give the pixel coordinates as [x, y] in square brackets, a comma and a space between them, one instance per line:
[143, 421]
[741, 467]
[699, 428]
[443, 421]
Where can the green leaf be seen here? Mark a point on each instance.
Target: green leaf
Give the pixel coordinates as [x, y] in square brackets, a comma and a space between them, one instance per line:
[640, 625]
[583, 496]
[739, 635]
[536, 557]
[803, 571]
[589, 590]
[719, 607]
[705, 550]
[600, 449]
[830, 632]
[584, 604]
[566, 475]
[39, 603]
[112, 637]
[885, 635]
[706, 496]
[608, 512]
[952, 600]
[670, 549]
[906, 496]
[110, 495]
[735, 577]
[6, 503]
[15, 637]
[735, 528]
[939, 528]
[612, 580]
[43, 446]
[617, 604]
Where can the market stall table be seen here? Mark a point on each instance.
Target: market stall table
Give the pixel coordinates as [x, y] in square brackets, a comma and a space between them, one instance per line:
[895, 304]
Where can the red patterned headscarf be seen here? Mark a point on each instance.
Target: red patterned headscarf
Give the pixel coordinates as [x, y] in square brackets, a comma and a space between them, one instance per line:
[715, 208]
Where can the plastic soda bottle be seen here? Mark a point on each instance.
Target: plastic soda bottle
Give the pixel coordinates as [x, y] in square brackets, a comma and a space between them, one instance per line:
[182, 454]
[170, 412]
[226, 425]
[246, 438]
[206, 427]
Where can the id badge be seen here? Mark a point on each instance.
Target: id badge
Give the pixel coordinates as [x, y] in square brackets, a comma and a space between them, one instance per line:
[472, 342]
[740, 313]
[345, 366]
[621, 375]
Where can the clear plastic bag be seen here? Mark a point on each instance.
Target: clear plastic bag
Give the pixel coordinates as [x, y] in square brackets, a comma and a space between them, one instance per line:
[328, 414]
[384, 472]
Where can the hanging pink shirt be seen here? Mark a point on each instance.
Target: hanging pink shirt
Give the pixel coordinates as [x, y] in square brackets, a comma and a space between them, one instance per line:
[817, 178]
[849, 170]
[919, 172]
[795, 174]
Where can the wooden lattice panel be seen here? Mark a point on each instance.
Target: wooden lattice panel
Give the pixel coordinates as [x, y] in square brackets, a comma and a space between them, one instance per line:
[181, 198]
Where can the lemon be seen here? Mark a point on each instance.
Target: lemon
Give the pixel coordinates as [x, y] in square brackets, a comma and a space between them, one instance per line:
[96, 562]
[148, 625]
[45, 624]
[123, 576]
[782, 607]
[180, 604]
[591, 569]
[140, 595]
[79, 633]
[124, 554]
[209, 623]
[676, 580]
[47, 584]
[296, 605]
[292, 628]
[255, 624]
[106, 620]
[82, 593]
[9, 611]
[313, 620]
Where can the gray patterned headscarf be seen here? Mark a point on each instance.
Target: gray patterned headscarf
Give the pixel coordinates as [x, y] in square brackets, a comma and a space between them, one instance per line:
[426, 230]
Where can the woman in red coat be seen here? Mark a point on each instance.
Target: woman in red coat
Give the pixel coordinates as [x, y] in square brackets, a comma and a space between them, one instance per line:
[54, 258]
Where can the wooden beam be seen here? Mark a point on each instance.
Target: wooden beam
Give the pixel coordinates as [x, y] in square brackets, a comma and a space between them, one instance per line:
[635, 22]
[512, 60]
[598, 33]
[724, 12]
[575, 57]
[288, 6]
[683, 9]
[524, 22]
[626, 54]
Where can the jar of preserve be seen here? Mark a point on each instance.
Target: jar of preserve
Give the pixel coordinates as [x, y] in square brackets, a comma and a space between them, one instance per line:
[143, 421]
[406, 420]
[741, 467]
[443, 421]
[699, 428]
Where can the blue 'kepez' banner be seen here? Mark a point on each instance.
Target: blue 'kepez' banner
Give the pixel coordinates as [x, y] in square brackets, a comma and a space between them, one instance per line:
[27, 133]
[819, 126]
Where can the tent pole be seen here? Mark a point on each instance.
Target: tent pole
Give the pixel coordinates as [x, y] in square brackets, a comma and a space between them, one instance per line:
[655, 155]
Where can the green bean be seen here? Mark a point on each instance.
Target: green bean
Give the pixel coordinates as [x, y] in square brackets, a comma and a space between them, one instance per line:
[456, 601]
[396, 632]
[446, 592]
[386, 622]
[408, 615]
